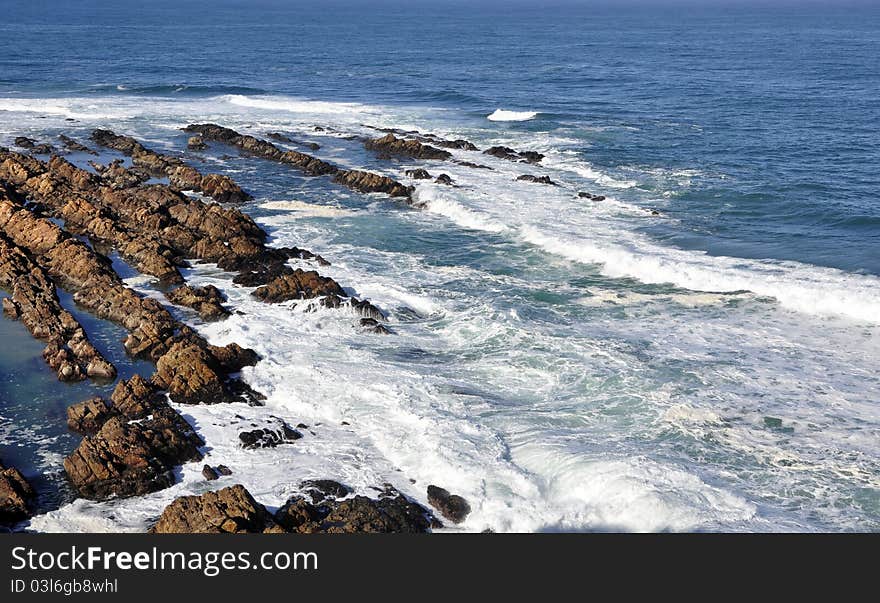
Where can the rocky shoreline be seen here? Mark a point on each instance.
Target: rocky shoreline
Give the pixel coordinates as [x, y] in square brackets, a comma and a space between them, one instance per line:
[54, 216]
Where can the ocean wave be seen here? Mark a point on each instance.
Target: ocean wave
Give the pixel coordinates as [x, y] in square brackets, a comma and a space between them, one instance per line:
[801, 287]
[504, 115]
[295, 105]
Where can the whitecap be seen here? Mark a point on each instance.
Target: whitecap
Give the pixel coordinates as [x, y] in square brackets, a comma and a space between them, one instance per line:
[504, 115]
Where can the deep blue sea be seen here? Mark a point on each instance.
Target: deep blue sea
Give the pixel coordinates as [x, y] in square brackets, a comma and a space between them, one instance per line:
[698, 351]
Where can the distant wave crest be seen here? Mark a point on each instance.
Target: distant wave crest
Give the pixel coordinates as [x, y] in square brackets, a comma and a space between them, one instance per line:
[504, 115]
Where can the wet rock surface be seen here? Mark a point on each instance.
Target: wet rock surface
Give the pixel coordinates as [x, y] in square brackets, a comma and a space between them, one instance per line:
[418, 174]
[72, 145]
[451, 506]
[299, 284]
[536, 179]
[269, 436]
[16, 496]
[135, 449]
[365, 182]
[35, 303]
[391, 146]
[207, 300]
[326, 508]
[180, 175]
[590, 196]
[503, 152]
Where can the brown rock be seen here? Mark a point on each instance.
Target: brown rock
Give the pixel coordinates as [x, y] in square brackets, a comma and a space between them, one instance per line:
[16, 495]
[207, 300]
[390, 145]
[88, 416]
[231, 510]
[299, 284]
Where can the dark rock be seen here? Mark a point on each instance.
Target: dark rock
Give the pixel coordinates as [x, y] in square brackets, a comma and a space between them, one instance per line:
[390, 145]
[537, 179]
[224, 470]
[268, 437]
[470, 164]
[72, 145]
[418, 174]
[209, 473]
[367, 182]
[451, 506]
[24, 142]
[321, 490]
[390, 513]
[591, 196]
[373, 326]
[314, 146]
[444, 179]
[513, 155]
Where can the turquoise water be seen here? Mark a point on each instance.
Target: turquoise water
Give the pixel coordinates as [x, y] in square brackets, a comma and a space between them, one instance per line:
[563, 363]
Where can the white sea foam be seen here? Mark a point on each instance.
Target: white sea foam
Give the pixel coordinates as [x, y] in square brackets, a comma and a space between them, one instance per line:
[543, 414]
[800, 287]
[504, 115]
[306, 210]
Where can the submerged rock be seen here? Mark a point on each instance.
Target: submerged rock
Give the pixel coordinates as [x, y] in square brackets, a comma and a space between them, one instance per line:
[268, 437]
[444, 179]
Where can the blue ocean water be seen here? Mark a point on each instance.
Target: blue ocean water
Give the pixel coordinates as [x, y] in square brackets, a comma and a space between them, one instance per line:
[568, 364]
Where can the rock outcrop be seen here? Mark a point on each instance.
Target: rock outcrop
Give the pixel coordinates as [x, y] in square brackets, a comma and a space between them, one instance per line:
[16, 496]
[327, 509]
[513, 155]
[207, 300]
[537, 179]
[418, 174]
[134, 451]
[590, 196]
[391, 146]
[72, 145]
[34, 302]
[298, 284]
[231, 510]
[180, 175]
[365, 182]
[451, 506]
